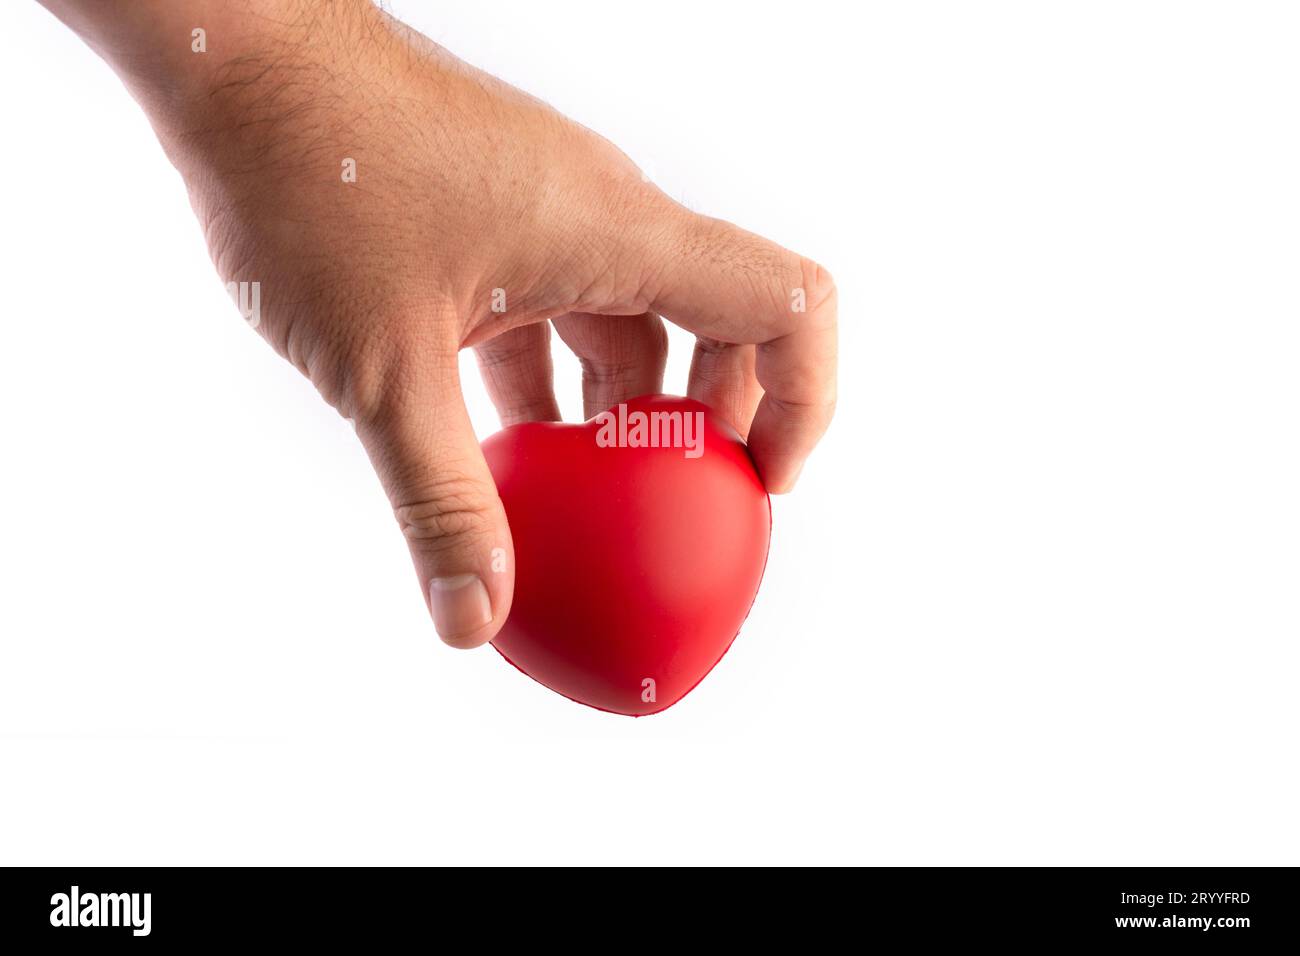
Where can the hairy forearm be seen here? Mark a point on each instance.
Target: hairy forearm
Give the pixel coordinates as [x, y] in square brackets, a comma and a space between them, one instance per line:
[174, 54]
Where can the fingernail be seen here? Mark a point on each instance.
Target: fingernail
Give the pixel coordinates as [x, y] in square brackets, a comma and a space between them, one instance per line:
[460, 605]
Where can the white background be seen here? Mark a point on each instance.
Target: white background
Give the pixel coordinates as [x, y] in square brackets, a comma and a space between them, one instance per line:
[1035, 600]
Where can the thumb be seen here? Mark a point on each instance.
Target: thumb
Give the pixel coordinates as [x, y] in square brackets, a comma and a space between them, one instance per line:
[422, 445]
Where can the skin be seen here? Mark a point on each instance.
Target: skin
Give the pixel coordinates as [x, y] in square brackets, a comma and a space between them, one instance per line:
[464, 186]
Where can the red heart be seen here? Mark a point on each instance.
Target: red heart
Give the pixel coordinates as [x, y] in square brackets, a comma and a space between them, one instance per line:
[635, 565]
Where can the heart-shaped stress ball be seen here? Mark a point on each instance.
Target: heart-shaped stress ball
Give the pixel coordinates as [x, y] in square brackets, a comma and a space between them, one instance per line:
[640, 541]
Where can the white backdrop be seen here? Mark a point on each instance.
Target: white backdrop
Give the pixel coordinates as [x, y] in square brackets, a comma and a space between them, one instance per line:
[1035, 600]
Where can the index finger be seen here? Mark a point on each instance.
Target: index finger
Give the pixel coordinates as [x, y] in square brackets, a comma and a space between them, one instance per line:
[727, 284]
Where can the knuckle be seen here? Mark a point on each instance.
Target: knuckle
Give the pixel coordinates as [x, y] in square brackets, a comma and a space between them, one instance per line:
[515, 348]
[607, 371]
[773, 273]
[378, 355]
[342, 363]
[452, 508]
[524, 409]
[815, 414]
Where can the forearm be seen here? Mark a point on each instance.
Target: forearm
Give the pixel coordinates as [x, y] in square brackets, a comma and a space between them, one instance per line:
[173, 54]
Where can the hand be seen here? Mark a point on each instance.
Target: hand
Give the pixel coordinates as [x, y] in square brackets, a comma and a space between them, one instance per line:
[478, 217]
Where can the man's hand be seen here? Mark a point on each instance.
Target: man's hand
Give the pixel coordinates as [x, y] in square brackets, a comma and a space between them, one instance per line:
[477, 216]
